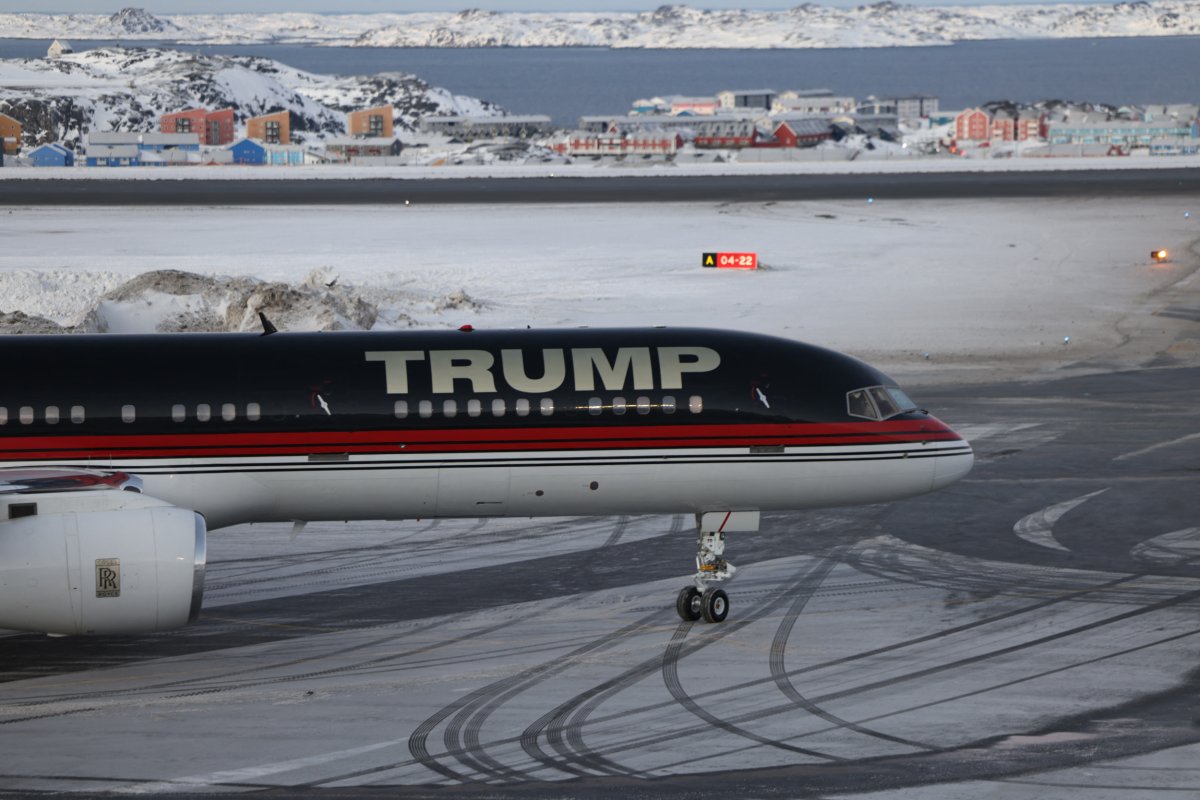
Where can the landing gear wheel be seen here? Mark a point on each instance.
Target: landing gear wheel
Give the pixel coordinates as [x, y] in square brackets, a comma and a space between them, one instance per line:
[714, 605]
[688, 604]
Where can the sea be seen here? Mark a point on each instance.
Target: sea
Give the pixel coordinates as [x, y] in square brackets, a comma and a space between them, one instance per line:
[568, 82]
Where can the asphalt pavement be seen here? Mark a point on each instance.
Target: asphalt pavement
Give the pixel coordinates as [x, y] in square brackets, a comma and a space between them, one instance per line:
[615, 189]
[1029, 632]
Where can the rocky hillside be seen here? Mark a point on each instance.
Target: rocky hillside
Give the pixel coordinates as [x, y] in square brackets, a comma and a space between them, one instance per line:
[127, 89]
[882, 24]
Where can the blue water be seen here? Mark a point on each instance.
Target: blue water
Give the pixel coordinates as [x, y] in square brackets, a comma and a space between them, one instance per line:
[569, 82]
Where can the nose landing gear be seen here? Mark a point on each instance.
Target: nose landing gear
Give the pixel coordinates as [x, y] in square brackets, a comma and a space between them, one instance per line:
[702, 600]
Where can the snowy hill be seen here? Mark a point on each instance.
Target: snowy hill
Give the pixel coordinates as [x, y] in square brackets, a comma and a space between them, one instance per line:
[883, 24]
[123, 89]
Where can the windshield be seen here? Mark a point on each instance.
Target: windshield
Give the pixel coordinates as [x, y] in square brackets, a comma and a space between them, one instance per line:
[878, 402]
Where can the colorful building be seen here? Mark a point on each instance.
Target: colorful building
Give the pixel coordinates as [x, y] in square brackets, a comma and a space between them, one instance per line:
[215, 128]
[799, 132]
[10, 134]
[374, 123]
[974, 124]
[51, 155]
[112, 155]
[252, 152]
[273, 128]
[584, 143]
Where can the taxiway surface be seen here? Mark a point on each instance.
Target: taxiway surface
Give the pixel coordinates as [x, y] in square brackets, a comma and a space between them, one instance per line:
[563, 188]
[1030, 632]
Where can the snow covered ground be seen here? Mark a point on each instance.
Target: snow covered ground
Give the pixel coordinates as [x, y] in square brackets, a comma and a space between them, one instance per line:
[928, 290]
[882, 24]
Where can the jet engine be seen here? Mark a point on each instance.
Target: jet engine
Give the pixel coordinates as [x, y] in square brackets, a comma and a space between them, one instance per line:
[88, 561]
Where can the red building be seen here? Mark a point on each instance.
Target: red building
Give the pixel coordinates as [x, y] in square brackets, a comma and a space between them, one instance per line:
[973, 125]
[798, 133]
[619, 144]
[213, 127]
[1014, 130]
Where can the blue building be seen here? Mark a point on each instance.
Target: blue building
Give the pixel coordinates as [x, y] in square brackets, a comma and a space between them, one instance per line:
[251, 151]
[51, 155]
[112, 155]
[248, 151]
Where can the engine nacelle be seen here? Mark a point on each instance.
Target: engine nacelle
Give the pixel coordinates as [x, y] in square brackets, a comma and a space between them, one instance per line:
[98, 562]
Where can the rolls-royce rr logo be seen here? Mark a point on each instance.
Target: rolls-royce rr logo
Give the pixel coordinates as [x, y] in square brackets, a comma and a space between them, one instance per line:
[108, 577]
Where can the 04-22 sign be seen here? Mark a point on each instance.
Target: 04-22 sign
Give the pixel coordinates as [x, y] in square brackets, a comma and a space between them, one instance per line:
[730, 260]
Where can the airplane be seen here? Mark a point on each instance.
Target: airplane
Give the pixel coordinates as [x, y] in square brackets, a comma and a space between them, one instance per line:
[119, 452]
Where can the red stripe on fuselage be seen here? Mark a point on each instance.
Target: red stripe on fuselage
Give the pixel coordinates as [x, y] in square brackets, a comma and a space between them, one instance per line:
[465, 439]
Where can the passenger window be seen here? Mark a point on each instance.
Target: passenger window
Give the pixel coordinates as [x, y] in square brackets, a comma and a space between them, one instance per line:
[77, 414]
[695, 404]
[474, 408]
[859, 405]
[546, 406]
[595, 406]
[400, 409]
[498, 407]
[668, 405]
[128, 413]
[522, 407]
[204, 412]
[619, 406]
[3, 415]
[228, 412]
[449, 409]
[425, 409]
[52, 415]
[178, 413]
[643, 405]
[26, 415]
[253, 412]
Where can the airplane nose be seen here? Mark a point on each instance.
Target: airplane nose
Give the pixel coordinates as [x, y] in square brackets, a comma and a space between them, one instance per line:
[949, 469]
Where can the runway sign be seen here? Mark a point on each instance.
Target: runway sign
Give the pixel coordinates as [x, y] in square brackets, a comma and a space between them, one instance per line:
[730, 260]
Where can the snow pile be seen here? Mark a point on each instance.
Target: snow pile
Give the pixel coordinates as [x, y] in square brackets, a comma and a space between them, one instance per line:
[882, 24]
[124, 89]
[172, 301]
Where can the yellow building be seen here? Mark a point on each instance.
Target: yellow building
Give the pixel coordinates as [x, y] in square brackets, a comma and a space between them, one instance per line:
[271, 128]
[10, 133]
[371, 122]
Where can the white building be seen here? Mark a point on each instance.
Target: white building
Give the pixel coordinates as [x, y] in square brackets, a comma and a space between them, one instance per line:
[59, 47]
[812, 101]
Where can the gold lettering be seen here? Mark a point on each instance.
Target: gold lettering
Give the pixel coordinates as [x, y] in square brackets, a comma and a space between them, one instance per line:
[588, 361]
[446, 366]
[671, 363]
[554, 371]
[395, 367]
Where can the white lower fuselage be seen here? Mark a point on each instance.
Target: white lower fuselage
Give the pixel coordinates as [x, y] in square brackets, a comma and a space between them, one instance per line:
[551, 483]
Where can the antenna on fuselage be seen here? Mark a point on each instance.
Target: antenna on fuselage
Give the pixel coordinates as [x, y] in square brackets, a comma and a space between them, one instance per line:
[268, 328]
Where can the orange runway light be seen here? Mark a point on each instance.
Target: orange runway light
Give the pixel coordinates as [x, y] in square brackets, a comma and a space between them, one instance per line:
[1158, 256]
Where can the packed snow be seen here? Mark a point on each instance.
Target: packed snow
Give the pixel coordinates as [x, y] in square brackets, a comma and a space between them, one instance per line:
[882, 24]
[929, 290]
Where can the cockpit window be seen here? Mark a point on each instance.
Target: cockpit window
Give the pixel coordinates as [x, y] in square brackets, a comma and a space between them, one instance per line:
[859, 405]
[903, 401]
[878, 402]
[883, 402]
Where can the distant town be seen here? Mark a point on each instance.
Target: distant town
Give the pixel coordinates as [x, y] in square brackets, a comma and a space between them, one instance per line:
[757, 125]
